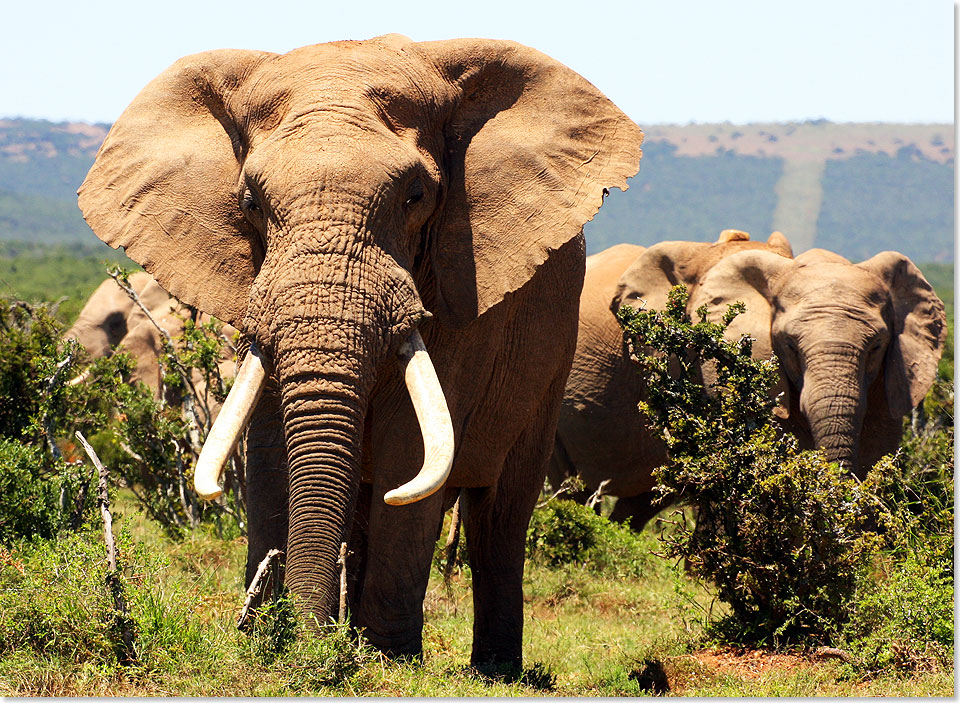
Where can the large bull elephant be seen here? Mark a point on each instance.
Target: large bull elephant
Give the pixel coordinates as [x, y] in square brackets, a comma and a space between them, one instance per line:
[349, 206]
[601, 436]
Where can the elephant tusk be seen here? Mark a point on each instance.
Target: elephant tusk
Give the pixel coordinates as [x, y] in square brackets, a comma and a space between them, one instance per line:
[233, 418]
[435, 424]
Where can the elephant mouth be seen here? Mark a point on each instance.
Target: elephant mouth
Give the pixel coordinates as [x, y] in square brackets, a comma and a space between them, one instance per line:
[429, 403]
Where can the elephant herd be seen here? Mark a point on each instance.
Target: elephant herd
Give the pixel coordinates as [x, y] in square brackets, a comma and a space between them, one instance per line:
[395, 228]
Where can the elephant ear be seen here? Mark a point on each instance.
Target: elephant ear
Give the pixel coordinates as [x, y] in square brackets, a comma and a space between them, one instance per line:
[779, 244]
[650, 277]
[531, 148]
[749, 277]
[918, 333]
[164, 185]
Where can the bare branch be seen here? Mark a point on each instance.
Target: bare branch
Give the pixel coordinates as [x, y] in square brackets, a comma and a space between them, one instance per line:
[256, 586]
[114, 585]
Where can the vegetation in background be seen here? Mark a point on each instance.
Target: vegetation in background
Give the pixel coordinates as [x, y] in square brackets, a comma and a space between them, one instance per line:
[68, 275]
[875, 202]
[564, 532]
[689, 198]
[870, 199]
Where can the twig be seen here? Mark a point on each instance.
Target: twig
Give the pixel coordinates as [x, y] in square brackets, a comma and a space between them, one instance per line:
[342, 561]
[191, 392]
[450, 548]
[114, 584]
[597, 496]
[52, 384]
[256, 586]
[569, 485]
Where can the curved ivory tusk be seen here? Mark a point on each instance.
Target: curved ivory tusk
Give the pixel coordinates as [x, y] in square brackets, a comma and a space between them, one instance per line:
[233, 418]
[435, 424]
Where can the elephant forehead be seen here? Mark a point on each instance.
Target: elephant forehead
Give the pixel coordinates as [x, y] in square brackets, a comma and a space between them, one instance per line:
[839, 283]
[348, 77]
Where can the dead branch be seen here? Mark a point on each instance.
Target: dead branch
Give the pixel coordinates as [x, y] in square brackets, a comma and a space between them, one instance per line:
[453, 542]
[594, 500]
[342, 561]
[114, 585]
[256, 586]
[52, 384]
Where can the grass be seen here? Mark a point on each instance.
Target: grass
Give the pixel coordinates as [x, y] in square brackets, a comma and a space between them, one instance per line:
[48, 273]
[587, 633]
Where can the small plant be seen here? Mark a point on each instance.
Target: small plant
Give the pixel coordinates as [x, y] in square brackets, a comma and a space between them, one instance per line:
[902, 618]
[779, 531]
[564, 532]
[37, 501]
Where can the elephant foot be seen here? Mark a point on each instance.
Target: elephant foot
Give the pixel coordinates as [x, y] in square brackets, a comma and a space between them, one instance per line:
[536, 676]
[399, 649]
[504, 665]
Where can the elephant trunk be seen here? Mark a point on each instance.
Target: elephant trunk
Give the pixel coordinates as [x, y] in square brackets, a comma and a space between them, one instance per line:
[834, 401]
[328, 340]
[323, 425]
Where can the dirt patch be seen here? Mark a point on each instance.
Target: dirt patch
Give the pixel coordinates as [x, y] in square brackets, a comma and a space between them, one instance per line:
[750, 663]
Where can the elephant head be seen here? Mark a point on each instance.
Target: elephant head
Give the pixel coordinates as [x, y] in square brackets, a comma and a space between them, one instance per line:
[109, 314]
[667, 264]
[330, 200]
[858, 344]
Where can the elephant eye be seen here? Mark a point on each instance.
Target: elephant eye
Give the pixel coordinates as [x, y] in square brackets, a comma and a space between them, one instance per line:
[249, 204]
[414, 195]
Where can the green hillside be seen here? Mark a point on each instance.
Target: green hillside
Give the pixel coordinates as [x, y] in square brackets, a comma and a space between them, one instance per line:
[682, 197]
[856, 189]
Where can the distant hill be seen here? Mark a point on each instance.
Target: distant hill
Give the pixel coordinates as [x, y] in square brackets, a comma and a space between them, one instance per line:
[856, 189]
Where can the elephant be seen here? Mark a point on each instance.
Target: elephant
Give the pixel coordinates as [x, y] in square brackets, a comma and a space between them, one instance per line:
[109, 314]
[601, 437]
[383, 220]
[110, 319]
[857, 344]
[857, 347]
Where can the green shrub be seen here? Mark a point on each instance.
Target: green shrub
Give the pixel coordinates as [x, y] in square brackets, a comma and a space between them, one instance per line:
[564, 532]
[779, 531]
[149, 444]
[55, 602]
[903, 620]
[36, 501]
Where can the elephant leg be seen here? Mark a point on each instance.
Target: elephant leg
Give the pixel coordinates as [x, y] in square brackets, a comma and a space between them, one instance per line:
[638, 509]
[496, 521]
[401, 542]
[267, 484]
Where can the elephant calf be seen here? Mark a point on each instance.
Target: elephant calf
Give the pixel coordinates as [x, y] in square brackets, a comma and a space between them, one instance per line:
[858, 347]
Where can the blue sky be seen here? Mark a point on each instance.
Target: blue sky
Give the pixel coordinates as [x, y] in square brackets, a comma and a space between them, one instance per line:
[671, 61]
